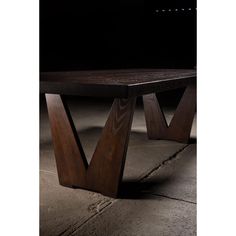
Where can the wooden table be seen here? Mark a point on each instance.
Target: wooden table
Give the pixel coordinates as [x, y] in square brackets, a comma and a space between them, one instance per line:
[105, 171]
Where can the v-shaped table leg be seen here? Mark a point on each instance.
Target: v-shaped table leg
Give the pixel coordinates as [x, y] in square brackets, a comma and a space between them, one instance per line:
[181, 124]
[105, 171]
[70, 158]
[106, 167]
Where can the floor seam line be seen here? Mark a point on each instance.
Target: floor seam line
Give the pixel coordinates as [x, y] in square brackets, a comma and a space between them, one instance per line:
[173, 156]
[91, 217]
[172, 198]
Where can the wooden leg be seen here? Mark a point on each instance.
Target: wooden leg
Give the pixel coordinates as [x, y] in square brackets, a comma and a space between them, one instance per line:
[106, 168]
[180, 125]
[105, 171]
[70, 158]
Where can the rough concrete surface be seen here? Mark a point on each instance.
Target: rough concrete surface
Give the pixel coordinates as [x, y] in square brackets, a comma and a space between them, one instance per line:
[147, 216]
[158, 193]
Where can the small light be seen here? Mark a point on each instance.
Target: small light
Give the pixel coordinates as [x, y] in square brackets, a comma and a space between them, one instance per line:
[190, 9]
[176, 9]
[157, 10]
[169, 10]
[182, 9]
[163, 10]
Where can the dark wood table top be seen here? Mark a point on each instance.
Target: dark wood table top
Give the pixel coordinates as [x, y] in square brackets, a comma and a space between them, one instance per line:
[115, 83]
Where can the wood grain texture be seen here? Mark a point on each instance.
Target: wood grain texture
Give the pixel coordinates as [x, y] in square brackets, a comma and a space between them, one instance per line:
[105, 171]
[106, 167]
[115, 83]
[70, 158]
[181, 123]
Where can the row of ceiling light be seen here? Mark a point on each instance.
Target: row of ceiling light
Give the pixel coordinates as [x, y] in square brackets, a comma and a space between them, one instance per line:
[175, 10]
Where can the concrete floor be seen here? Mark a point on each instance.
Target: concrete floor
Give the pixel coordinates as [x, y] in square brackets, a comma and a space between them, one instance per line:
[158, 195]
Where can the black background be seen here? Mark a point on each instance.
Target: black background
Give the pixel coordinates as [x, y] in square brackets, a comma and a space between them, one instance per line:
[116, 34]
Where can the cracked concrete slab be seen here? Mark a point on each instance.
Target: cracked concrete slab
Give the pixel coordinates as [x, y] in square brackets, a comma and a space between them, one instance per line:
[64, 209]
[177, 178]
[151, 216]
[141, 159]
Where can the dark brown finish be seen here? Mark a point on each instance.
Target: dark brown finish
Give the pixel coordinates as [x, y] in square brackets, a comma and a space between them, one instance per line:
[105, 171]
[106, 168]
[180, 125]
[115, 83]
[70, 159]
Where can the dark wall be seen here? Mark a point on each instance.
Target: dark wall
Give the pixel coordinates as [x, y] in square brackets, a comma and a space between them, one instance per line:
[93, 34]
